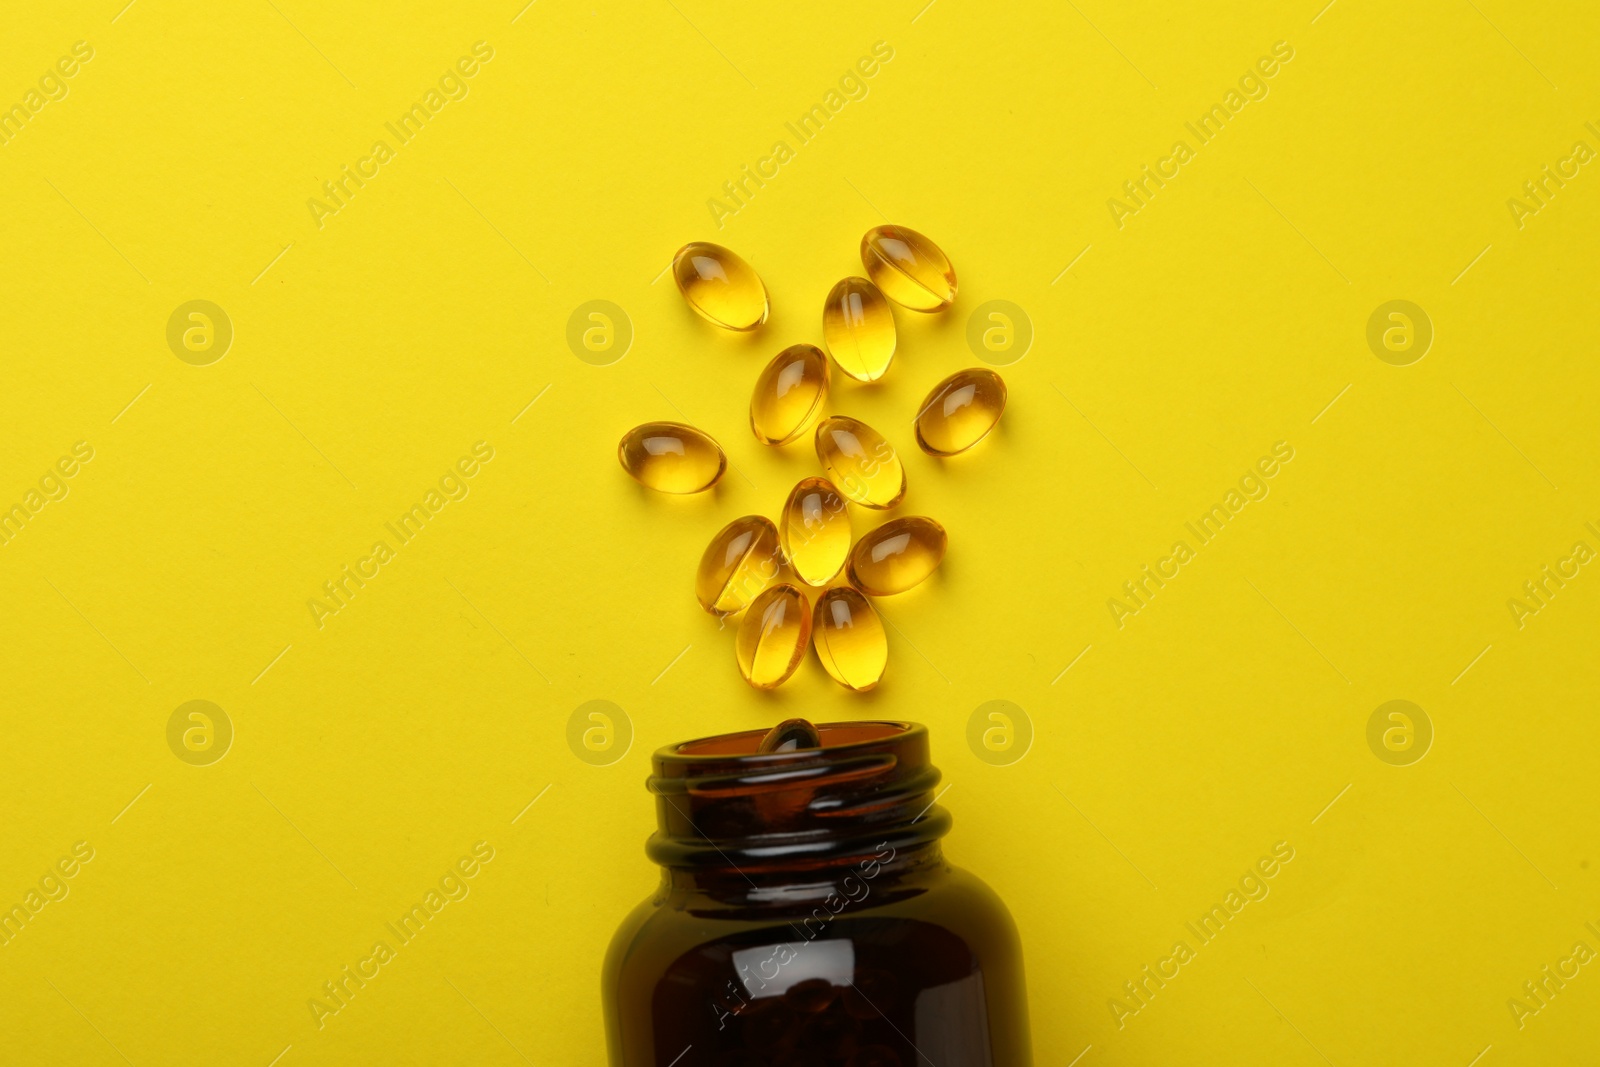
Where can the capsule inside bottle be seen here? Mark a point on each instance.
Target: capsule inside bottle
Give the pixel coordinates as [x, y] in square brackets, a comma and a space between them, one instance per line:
[849, 639]
[790, 735]
[960, 411]
[773, 636]
[737, 565]
[720, 286]
[671, 457]
[789, 394]
[897, 555]
[910, 269]
[860, 462]
[815, 530]
[858, 326]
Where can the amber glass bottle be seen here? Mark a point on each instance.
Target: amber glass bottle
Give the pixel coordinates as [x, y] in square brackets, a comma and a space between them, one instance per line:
[806, 915]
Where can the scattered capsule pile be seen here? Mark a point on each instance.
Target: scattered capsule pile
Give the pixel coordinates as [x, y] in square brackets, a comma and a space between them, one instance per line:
[744, 567]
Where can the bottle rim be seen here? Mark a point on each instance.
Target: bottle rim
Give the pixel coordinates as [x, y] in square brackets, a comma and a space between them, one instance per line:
[698, 750]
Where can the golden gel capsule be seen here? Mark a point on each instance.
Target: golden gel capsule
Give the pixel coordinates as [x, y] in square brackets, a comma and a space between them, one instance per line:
[897, 555]
[789, 394]
[790, 735]
[909, 268]
[960, 411]
[719, 285]
[773, 636]
[671, 457]
[859, 462]
[815, 531]
[737, 565]
[858, 326]
[849, 639]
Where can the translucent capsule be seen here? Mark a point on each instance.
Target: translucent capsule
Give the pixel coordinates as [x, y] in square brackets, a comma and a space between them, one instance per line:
[897, 555]
[909, 268]
[815, 530]
[789, 736]
[858, 326]
[773, 636]
[671, 457]
[860, 463]
[788, 394]
[737, 565]
[960, 411]
[723, 288]
[849, 639]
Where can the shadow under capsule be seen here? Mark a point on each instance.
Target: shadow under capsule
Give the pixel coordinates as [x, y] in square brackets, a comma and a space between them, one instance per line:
[932, 327]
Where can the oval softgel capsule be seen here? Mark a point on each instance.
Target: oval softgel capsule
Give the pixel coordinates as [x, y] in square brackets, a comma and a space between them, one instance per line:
[858, 327]
[897, 555]
[815, 531]
[720, 286]
[737, 565]
[849, 638]
[788, 395]
[960, 411]
[773, 636]
[671, 457]
[860, 462]
[910, 269]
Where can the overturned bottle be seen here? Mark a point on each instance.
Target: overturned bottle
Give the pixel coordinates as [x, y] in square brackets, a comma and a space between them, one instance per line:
[806, 913]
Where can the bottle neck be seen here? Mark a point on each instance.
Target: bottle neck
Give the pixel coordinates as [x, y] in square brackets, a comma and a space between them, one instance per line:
[841, 823]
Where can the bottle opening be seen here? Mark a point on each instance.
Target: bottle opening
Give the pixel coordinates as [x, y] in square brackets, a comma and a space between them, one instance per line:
[829, 735]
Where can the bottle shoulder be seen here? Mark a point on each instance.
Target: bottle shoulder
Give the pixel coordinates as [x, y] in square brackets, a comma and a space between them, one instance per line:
[964, 904]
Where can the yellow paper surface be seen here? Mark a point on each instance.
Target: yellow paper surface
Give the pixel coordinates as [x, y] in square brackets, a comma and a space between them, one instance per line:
[1182, 330]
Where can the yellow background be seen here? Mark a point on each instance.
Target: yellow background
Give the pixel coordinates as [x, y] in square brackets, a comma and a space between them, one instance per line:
[369, 354]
